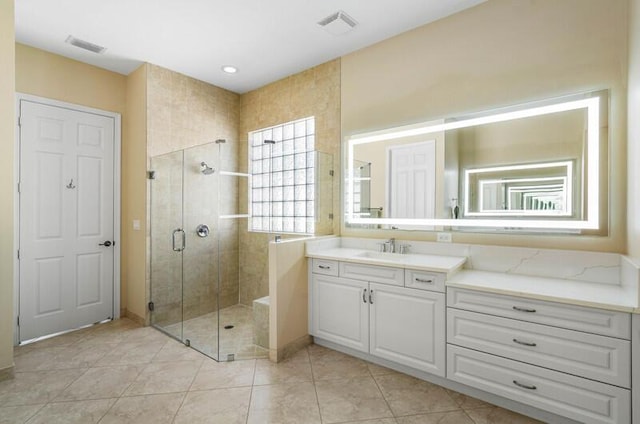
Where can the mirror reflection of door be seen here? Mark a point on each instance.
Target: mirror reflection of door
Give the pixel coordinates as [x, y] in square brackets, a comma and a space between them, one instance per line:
[411, 181]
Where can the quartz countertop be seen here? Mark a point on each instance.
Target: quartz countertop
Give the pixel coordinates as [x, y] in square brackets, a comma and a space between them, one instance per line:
[423, 262]
[617, 297]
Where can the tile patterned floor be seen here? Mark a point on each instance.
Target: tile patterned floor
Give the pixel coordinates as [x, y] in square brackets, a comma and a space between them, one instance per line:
[121, 373]
[203, 333]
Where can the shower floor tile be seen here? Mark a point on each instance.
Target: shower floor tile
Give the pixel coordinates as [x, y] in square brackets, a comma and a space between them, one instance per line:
[202, 332]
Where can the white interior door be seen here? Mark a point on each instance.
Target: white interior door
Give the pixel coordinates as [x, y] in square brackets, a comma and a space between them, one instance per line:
[412, 180]
[66, 219]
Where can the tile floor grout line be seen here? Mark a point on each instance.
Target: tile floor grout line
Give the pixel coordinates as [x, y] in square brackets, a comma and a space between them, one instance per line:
[35, 413]
[175, 414]
[313, 381]
[68, 385]
[469, 416]
[373, 377]
[255, 365]
[108, 409]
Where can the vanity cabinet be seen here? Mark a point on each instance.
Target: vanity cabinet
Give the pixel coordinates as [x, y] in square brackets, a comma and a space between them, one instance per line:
[340, 311]
[570, 360]
[372, 312]
[407, 326]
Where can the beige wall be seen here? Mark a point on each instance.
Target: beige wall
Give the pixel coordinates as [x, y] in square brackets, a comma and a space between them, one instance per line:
[134, 191]
[496, 54]
[55, 77]
[633, 143]
[7, 141]
[314, 92]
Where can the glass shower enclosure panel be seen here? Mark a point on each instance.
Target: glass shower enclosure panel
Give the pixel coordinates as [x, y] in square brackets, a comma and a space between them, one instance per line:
[184, 247]
[166, 215]
[200, 264]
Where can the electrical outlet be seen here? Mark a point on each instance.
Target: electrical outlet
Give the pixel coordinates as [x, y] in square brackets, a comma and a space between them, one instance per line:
[444, 237]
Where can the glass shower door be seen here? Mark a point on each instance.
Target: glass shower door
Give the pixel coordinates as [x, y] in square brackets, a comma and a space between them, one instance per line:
[200, 258]
[167, 243]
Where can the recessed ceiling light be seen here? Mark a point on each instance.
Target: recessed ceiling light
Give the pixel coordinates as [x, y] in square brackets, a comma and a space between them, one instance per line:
[229, 69]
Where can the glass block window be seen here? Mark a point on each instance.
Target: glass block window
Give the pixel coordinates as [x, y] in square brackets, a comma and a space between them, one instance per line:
[282, 168]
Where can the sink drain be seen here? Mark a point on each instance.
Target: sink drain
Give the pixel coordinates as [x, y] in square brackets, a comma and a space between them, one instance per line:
[228, 327]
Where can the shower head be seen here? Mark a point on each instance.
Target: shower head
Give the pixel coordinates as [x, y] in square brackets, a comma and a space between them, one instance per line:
[205, 169]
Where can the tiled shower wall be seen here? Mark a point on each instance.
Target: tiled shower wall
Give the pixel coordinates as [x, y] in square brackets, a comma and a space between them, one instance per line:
[183, 113]
[314, 92]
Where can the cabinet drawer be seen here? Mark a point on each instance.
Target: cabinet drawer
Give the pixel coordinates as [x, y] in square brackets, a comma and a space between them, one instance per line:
[376, 274]
[323, 266]
[590, 320]
[424, 280]
[563, 394]
[592, 356]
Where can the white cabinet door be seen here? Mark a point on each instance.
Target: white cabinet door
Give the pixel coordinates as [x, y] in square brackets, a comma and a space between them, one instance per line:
[340, 311]
[408, 327]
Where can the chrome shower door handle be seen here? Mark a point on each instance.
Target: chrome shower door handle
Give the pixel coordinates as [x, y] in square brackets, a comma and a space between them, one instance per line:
[173, 240]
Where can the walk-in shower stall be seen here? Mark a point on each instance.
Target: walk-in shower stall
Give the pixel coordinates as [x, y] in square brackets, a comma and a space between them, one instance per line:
[197, 223]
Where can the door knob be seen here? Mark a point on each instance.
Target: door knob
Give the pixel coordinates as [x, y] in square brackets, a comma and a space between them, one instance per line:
[106, 244]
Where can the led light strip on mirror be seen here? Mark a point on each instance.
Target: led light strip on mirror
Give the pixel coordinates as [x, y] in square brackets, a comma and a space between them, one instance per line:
[590, 104]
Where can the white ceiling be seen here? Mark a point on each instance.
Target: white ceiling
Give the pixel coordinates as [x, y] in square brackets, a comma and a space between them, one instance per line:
[265, 39]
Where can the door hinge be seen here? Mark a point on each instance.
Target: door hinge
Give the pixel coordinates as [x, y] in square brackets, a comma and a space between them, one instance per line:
[331, 172]
[18, 321]
[18, 254]
[19, 121]
[151, 306]
[18, 188]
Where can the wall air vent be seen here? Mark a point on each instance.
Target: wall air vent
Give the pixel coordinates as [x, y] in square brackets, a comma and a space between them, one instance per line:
[338, 23]
[85, 45]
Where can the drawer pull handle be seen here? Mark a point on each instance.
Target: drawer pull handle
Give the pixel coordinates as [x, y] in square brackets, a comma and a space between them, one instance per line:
[324, 267]
[364, 296]
[518, 308]
[524, 343]
[524, 386]
[421, 280]
[371, 296]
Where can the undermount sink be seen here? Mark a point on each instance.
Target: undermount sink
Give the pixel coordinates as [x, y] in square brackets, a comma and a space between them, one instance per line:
[383, 256]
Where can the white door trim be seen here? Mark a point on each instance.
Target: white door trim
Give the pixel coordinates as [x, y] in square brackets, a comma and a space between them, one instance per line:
[116, 198]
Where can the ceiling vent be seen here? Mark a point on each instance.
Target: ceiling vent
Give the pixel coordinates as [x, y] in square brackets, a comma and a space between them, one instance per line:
[85, 45]
[338, 23]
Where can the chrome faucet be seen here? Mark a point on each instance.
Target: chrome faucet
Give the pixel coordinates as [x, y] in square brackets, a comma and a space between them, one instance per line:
[390, 245]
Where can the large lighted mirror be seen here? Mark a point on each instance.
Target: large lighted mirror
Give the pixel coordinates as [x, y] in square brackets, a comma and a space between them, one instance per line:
[537, 165]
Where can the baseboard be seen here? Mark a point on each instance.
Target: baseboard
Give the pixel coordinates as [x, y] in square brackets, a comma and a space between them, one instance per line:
[288, 350]
[6, 373]
[135, 318]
